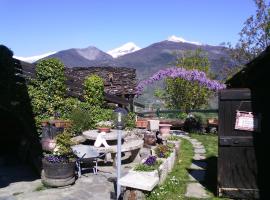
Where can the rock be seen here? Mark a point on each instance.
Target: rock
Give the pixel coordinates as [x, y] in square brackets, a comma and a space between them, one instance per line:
[196, 190]
[131, 194]
[78, 139]
[139, 181]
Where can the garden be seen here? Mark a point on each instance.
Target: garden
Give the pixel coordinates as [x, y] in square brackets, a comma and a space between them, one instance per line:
[78, 130]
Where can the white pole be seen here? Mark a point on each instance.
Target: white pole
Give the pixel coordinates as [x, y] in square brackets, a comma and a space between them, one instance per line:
[119, 138]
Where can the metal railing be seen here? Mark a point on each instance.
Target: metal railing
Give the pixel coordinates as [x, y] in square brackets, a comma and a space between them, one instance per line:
[158, 112]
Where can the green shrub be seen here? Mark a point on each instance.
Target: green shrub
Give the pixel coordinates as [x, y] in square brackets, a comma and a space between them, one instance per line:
[94, 90]
[47, 90]
[86, 117]
[173, 138]
[130, 121]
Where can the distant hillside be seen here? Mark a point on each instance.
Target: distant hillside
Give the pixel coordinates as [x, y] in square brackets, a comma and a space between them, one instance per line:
[146, 61]
[90, 56]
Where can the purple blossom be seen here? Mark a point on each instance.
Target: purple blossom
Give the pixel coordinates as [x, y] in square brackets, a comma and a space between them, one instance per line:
[178, 72]
[56, 159]
[151, 160]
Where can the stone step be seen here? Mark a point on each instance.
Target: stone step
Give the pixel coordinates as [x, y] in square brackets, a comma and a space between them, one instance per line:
[199, 150]
[198, 146]
[196, 190]
[198, 156]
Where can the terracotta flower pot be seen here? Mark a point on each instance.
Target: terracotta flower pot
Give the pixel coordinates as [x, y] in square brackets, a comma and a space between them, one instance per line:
[141, 123]
[104, 129]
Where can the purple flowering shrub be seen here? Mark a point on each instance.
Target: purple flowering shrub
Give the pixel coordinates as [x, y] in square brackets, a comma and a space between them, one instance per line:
[178, 72]
[56, 159]
[150, 164]
[151, 160]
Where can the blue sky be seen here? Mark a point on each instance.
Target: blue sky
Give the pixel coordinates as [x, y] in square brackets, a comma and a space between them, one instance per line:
[32, 27]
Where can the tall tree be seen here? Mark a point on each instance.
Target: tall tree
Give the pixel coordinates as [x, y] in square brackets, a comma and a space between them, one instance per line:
[255, 35]
[185, 95]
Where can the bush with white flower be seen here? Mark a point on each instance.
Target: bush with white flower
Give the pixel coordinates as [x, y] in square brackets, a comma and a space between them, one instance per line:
[107, 124]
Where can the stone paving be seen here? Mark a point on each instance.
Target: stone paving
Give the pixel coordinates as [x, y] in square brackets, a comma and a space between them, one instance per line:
[100, 186]
[88, 187]
[196, 170]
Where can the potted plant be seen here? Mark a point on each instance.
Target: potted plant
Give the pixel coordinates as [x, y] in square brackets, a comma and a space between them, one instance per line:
[59, 164]
[104, 126]
[149, 164]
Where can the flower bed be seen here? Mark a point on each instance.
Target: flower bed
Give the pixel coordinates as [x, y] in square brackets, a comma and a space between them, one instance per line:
[151, 169]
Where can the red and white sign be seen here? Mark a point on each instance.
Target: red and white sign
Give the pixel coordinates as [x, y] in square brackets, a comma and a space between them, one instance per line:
[247, 121]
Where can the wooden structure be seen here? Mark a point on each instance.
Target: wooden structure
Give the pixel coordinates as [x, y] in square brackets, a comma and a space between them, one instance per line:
[119, 82]
[237, 167]
[242, 168]
[19, 138]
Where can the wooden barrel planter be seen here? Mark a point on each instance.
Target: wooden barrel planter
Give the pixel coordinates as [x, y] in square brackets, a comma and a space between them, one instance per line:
[58, 174]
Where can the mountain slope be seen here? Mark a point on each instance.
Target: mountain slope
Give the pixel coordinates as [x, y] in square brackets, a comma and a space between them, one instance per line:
[162, 54]
[146, 61]
[90, 56]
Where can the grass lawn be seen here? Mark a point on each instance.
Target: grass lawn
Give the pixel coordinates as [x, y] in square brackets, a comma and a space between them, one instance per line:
[176, 182]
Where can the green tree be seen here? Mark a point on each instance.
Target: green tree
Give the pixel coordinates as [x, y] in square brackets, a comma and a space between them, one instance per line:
[47, 90]
[254, 38]
[94, 90]
[185, 95]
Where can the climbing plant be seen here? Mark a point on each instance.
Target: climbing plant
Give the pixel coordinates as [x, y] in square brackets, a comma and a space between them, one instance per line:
[94, 90]
[47, 90]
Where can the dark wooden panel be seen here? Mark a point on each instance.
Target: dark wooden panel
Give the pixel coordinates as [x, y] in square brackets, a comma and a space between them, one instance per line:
[235, 94]
[237, 163]
[237, 167]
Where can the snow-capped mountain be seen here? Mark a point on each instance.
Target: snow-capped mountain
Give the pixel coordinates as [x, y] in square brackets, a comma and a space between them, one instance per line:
[145, 60]
[129, 47]
[32, 59]
[174, 38]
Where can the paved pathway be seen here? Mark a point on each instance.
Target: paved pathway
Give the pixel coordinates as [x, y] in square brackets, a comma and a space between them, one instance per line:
[88, 187]
[196, 170]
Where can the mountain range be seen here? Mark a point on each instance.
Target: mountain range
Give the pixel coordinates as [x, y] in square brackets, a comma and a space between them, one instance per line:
[146, 60]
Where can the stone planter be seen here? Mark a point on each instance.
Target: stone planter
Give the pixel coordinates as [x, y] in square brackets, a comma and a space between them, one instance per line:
[176, 145]
[163, 171]
[153, 173]
[153, 125]
[171, 160]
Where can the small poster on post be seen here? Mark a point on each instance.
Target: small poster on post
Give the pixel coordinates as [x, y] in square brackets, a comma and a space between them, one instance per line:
[247, 121]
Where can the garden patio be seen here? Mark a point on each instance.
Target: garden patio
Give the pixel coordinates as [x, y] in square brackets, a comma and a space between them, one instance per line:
[178, 164]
